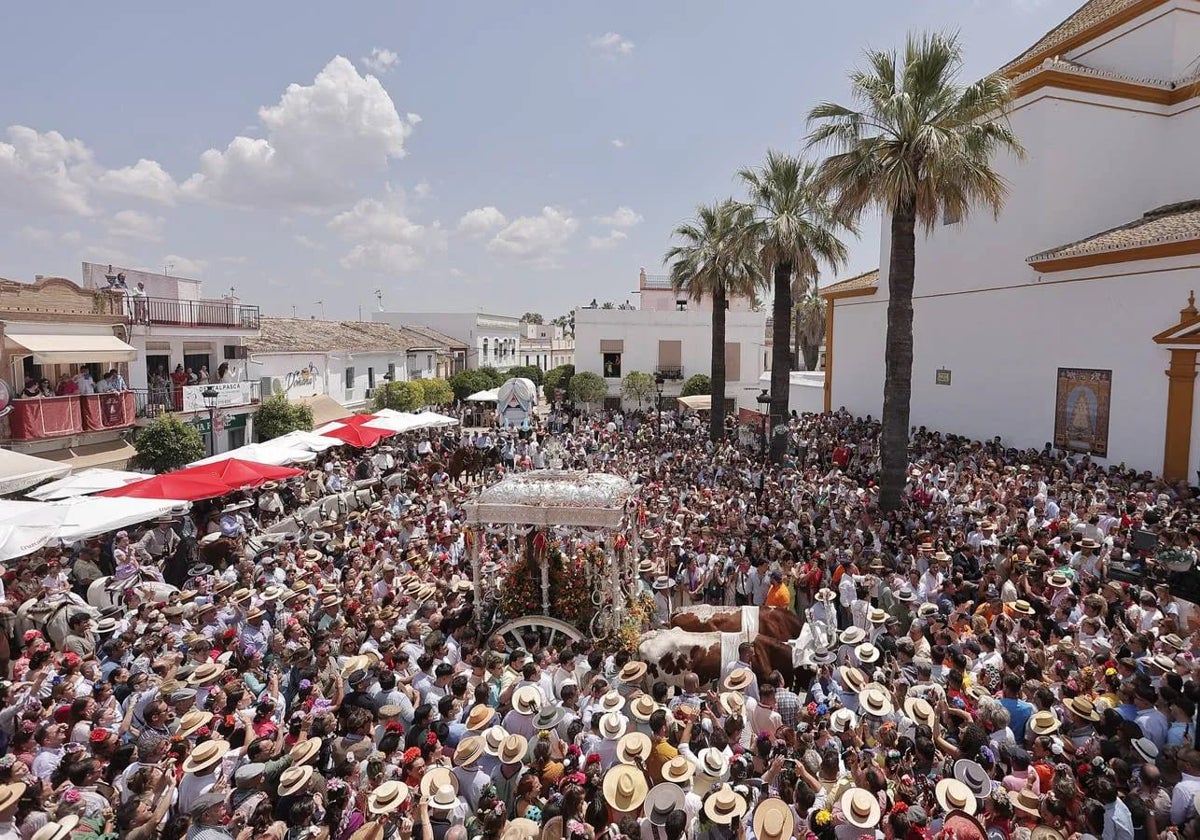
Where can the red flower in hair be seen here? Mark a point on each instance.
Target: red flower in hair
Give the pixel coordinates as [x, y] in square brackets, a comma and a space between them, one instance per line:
[98, 735]
[900, 808]
[410, 755]
[431, 738]
[592, 759]
[393, 726]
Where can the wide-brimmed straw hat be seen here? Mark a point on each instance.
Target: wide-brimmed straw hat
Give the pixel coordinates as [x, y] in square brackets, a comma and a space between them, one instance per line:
[294, 779]
[773, 820]
[634, 747]
[521, 829]
[305, 751]
[860, 808]
[205, 756]
[953, 795]
[873, 700]
[724, 805]
[527, 699]
[642, 706]
[1082, 707]
[625, 788]
[1044, 723]
[493, 740]
[679, 770]
[436, 778]
[919, 710]
[1027, 802]
[10, 794]
[632, 672]
[514, 749]
[851, 678]
[739, 679]
[387, 797]
[613, 726]
[468, 751]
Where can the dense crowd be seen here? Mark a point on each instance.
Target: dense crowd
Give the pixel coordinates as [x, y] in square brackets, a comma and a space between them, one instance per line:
[1010, 655]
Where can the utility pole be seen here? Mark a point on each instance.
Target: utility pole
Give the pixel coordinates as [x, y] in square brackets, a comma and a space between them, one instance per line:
[321, 304]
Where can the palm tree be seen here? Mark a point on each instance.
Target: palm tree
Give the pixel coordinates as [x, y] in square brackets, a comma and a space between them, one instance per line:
[796, 229]
[715, 260]
[920, 146]
[809, 325]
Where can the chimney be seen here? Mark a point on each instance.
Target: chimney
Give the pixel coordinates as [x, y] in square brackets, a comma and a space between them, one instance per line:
[642, 278]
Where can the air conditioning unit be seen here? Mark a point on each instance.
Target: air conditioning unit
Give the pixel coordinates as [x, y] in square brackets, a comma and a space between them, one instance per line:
[370, 393]
[269, 385]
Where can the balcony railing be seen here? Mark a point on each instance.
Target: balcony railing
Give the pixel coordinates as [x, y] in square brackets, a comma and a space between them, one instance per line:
[192, 313]
[669, 372]
[657, 282]
[51, 417]
[151, 402]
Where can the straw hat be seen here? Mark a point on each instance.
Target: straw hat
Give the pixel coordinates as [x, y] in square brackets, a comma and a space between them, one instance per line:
[851, 678]
[205, 674]
[468, 751]
[632, 672]
[514, 749]
[189, 723]
[713, 764]
[373, 830]
[1044, 723]
[1027, 802]
[634, 747]
[825, 594]
[642, 707]
[9, 794]
[860, 808]
[1045, 832]
[663, 799]
[625, 788]
[875, 701]
[205, 756]
[724, 805]
[520, 829]
[294, 779]
[57, 830]
[305, 751]
[1023, 607]
[436, 778]
[1057, 580]
[918, 710]
[852, 636]
[1145, 748]
[739, 679]
[877, 616]
[927, 610]
[867, 653]
[493, 740]
[773, 820]
[480, 716]
[527, 699]
[613, 726]
[387, 797]
[679, 770]
[1082, 707]
[953, 795]
[842, 719]
[612, 701]
[731, 702]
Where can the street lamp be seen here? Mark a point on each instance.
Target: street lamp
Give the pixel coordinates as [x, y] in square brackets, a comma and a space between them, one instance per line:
[659, 379]
[764, 406]
[211, 396]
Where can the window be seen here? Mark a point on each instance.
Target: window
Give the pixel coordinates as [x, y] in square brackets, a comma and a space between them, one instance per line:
[681, 305]
[485, 348]
[371, 378]
[391, 374]
[612, 403]
[612, 365]
[349, 379]
[233, 351]
[428, 361]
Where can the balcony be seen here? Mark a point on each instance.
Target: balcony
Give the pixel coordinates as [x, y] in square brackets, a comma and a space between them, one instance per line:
[669, 372]
[53, 417]
[192, 313]
[151, 402]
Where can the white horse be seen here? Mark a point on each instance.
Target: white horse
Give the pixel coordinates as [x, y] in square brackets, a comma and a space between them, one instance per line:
[50, 615]
[107, 592]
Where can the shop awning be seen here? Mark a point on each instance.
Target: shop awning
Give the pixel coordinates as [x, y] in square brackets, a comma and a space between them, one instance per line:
[325, 409]
[113, 454]
[50, 349]
[18, 470]
[700, 402]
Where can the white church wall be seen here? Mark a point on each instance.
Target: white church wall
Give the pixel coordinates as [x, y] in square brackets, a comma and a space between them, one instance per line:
[1143, 48]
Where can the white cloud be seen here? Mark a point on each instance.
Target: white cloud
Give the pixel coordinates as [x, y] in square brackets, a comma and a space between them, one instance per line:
[130, 224]
[603, 243]
[47, 171]
[183, 266]
[481, 220]
[35, 235]
[235, 260]
[622, 217]
[146, 179]
[536, 239]
[321, 140]
[71, 237]
[617, 143]
[612, 44]
[380, 60]
[304, 241]
[385, 240]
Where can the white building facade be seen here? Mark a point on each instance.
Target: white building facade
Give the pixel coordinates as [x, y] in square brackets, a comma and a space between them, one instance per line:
[546, 346]
[1056, 322]
[491, 340]
[670, 336]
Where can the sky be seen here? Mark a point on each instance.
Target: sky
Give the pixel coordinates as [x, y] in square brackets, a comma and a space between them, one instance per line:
[506, 157]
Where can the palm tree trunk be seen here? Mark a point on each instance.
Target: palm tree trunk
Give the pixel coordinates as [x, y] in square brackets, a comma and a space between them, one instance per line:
[781, 368]
[811, 352]
[898, 357]
[716, 374]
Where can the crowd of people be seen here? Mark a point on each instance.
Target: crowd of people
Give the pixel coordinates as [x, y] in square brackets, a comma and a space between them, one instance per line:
[1010, 655]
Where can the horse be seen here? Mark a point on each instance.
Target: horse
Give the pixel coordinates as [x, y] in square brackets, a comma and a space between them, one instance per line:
[174, 568]
[465, 459]
[108, 592]
[50, 615]
[777, 623]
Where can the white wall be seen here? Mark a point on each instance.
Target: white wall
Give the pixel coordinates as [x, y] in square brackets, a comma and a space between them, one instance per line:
[1153, 46]
[1003, 349]
[806, 392]
[641, 330]
[472, 329]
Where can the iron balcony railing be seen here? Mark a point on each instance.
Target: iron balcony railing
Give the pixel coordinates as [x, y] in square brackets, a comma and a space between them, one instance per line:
[192, 313]
[151, 402]
[669, 372]
[657, 281]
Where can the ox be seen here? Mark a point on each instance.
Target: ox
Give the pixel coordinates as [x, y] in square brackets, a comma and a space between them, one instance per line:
[671, 653]
[776, 623]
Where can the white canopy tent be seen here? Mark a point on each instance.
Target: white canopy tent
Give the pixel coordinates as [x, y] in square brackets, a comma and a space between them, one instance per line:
[490, 395]
[312, 441]
[433, 420]
[18, 470]
[27, 526]
[700, 402]
[263, 453]
[84, 483]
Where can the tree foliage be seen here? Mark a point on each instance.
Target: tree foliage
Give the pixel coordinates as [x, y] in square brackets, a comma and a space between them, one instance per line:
[588, 387]
[400, 396]
[436, 391]
[696, 385]
[468, 382]
[168, 444]
[495, 378]
[530, 372]
[638, 387]
[558, 379]
[532, 318]
[276, 416]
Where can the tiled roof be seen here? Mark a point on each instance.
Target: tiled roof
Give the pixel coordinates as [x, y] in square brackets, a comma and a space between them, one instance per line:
[1170, 223]
[422, 336]
[300, 335]
[866, 280]
[1090, 14]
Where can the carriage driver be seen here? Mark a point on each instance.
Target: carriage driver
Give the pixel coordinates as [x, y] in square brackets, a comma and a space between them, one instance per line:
[231, 522]
[160, 541]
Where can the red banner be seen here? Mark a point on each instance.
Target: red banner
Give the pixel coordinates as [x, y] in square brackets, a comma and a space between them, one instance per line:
[752, 418]
[112, 410]
[45, 417]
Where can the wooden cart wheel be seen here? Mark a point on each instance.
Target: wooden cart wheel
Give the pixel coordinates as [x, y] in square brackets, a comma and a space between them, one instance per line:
[553, 632]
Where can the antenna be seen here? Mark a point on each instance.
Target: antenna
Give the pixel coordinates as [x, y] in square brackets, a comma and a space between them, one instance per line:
[379, 298]
[167, 268]
[321, 304]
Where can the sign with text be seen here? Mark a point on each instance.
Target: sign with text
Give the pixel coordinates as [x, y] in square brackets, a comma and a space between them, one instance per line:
[228, 394]
[941, 377]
